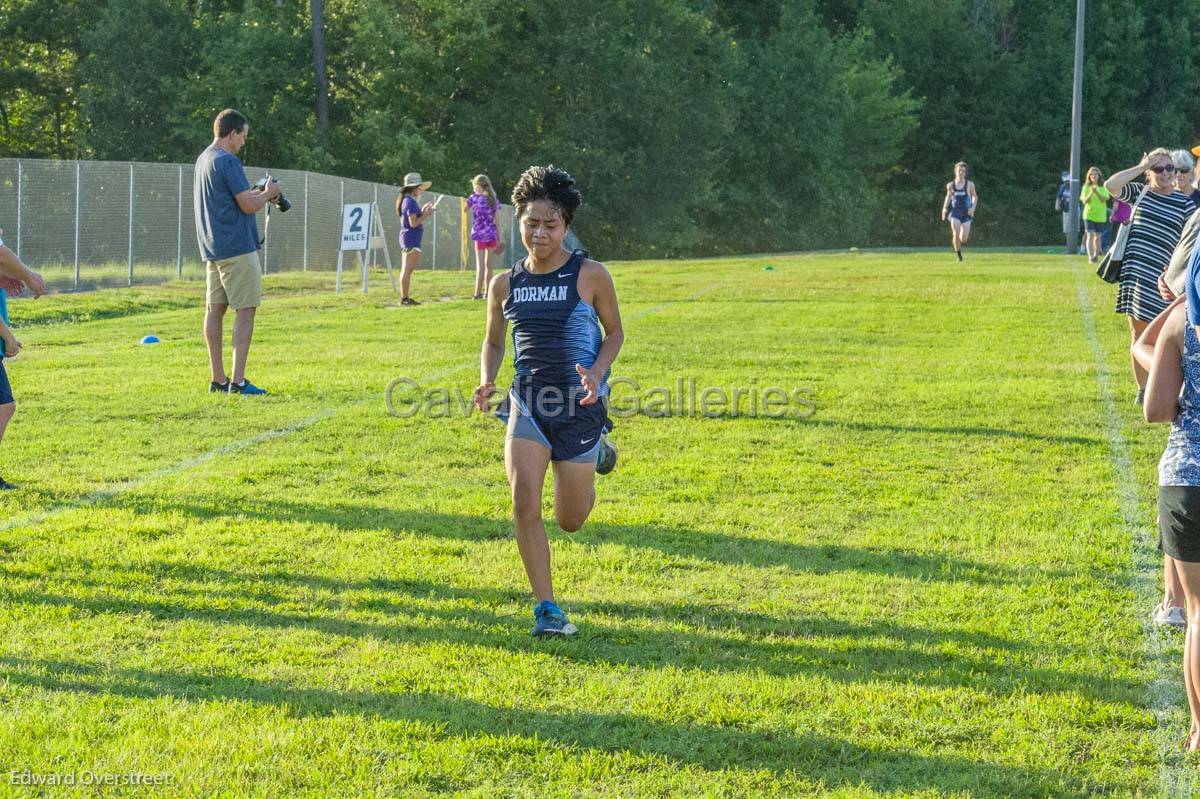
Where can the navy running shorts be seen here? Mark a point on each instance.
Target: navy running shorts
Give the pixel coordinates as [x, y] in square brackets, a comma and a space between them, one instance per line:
[6, 395]
[569, 430]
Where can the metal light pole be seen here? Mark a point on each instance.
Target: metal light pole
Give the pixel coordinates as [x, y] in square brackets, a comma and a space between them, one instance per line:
[1076, 129]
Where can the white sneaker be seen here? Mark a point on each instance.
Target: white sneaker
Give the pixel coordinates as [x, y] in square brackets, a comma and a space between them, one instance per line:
[1169, 617]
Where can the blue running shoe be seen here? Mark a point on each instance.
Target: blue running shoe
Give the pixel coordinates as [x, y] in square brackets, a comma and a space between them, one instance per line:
[246, 388]
[606, 458]
[548, 619]
[219, 388]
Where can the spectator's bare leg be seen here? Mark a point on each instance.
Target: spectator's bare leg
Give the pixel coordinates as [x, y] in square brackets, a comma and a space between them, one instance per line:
[1191, 648]
[410, 264]
[243, 332]
[480, 283]
[1172, 583]
[1136, 326]
[6, 413]
[214, 319]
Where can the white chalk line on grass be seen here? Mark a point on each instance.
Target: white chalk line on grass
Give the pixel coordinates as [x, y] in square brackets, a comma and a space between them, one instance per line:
[1166, 688]
[102, 494]
[642, 314]
[116, 489]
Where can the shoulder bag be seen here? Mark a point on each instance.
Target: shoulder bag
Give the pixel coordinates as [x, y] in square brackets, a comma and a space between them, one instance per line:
[1109, 269]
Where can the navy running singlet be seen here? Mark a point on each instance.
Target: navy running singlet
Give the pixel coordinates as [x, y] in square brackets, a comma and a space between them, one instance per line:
[552, 328]
[960, 202]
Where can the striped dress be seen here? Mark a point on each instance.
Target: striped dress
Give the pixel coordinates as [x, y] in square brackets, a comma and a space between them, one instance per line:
[1156, 225]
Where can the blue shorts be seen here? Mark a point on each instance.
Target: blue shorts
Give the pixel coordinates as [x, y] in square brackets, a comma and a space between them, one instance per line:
[5, 389]
[961, 216]
[1094, 227]
[569, 430]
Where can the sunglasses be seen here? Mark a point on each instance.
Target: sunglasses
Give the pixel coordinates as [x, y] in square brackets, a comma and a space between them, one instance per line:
[1158, 170]
[1182, 170]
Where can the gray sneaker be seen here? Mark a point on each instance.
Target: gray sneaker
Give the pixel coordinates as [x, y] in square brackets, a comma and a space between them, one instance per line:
[606, 458]
[1169, 617]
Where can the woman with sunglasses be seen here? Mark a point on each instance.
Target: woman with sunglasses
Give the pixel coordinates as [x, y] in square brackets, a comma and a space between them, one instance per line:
[1153, 233]
[1185, 174]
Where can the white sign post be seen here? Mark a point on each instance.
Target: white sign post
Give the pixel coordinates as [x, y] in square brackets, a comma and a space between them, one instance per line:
[362, 231]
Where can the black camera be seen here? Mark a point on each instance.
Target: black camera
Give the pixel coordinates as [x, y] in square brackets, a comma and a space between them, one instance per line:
[282, 203]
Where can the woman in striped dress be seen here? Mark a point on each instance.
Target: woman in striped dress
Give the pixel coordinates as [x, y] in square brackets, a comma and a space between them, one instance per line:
[1154, 231]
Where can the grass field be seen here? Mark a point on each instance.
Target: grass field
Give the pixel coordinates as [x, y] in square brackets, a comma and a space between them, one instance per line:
[935, 585]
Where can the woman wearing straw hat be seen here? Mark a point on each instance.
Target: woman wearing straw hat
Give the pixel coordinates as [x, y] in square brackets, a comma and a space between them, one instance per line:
[412, 228]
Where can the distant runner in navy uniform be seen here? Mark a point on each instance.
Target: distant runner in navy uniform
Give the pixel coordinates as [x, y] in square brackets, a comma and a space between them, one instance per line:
[960, 205]
[557, 409]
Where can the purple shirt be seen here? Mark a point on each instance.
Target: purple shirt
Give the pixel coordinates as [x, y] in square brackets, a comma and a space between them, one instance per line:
[410, 237]
[483, 226]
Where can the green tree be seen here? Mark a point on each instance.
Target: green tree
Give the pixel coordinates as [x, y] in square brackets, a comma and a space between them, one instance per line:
[140, 59]
[39, 51]
[626, 96]
[995, 79]
[819, 129]
[692, 125]
[257, 59]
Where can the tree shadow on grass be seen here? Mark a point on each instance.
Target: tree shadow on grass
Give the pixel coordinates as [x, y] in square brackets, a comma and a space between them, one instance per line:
[674, 541]
[710, 639]
[834, 762]
[957, 431]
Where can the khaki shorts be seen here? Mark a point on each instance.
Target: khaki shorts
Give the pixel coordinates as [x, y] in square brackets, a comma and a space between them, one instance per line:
[236, 282]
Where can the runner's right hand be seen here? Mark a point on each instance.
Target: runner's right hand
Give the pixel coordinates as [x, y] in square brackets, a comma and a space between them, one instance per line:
[482, 394]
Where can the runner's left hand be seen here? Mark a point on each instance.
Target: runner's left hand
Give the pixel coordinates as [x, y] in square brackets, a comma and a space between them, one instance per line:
[591, 384]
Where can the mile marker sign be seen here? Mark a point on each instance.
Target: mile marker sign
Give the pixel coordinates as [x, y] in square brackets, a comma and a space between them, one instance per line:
[362, 232]
[356, 226]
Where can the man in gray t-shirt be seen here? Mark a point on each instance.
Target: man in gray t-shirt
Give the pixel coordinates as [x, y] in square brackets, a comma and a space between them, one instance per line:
[227, 233]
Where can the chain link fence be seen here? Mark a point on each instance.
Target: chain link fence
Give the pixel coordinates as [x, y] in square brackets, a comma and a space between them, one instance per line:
[92, 224]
